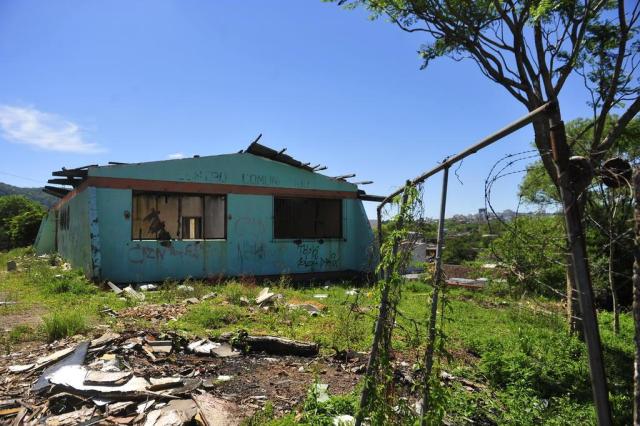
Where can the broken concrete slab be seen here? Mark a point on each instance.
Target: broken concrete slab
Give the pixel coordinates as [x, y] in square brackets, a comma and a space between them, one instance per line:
[209, 296]
[311, 309]
[105, 339]
[191, 301]
[218, 349]
[132, 294]
[100, 378]
[217, 412]
[115, 288]
[160, 346]
[73, 418]
[176, 412]
[264, 296]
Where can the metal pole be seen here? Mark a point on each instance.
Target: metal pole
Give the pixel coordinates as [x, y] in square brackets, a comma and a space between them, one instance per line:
[510, 128]
[636, 301]
[437, 283]
[381, 323]
[577, 250]
[380, 237]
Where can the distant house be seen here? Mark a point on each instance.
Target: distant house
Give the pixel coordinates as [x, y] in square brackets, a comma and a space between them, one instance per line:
[258, 212]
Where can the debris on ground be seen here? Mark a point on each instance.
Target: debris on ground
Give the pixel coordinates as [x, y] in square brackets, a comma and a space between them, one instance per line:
[185, 288]
[320, 296]
[264, 296]
[311, 309]
[153, 313]
[132, 294]
[12, 266]
[150, 378]
[115, 288]
[147, 287]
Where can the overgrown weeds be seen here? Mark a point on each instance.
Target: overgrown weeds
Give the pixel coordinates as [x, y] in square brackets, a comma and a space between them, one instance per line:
[64, 324]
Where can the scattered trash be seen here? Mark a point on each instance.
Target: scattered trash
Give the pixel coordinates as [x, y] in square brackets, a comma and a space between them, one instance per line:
[100, 378]
[115, 288]
[176, 412]
[344, 420]
[147, 287]
[264, 296]
[351, 292]
[320, 391]
[184, 287]
[207, 347]
[311, 309]
[320, 296]
[209, 296]
[223, 378]
[130, 292]
[161, 346]
[76, 358]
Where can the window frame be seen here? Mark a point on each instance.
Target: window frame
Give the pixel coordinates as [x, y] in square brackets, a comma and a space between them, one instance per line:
[301, 239]
[181, 194]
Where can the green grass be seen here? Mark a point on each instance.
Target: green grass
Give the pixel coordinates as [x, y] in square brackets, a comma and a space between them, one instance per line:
[64, 324]
[519, 348]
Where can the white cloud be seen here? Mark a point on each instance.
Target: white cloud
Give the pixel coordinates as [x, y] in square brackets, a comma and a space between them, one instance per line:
[43, 130]
[176, 156]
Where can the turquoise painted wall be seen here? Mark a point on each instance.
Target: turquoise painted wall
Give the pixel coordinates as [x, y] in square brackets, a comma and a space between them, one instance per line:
[74, 243]
[236, 169]
[99, 238]
[46, 239]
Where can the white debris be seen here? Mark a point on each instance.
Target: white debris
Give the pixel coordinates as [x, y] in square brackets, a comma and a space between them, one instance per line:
[130, 292]
[223, 378]
[320, 390]
[344, 420]
[183, 287]
[264, 296]
[320, 296]
[147, 287]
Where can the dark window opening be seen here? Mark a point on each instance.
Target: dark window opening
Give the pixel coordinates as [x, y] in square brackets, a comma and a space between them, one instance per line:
[178, 217]
[307, 218]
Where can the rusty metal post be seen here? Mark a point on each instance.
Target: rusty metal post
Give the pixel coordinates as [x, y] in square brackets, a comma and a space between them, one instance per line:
[380, 237]
[577, 250]
[382, 322]
[636, 300]
[437, 283]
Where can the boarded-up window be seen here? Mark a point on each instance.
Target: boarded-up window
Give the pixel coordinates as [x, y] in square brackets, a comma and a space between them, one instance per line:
[177, 217]
[307, 218]
[214, 220]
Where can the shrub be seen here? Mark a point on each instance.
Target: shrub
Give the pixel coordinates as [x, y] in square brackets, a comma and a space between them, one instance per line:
[64, 323]
[19, 221]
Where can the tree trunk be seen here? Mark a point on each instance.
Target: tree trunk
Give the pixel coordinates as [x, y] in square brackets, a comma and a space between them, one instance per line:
[636, 302]
[572, 181]
[612, 285]
[573, 306]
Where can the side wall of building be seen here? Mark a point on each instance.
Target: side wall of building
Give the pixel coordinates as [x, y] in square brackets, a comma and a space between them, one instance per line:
[249, 248]
[46, 239]
[73, 232]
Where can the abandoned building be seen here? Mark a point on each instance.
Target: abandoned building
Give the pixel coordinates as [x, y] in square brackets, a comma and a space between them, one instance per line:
[258, 212]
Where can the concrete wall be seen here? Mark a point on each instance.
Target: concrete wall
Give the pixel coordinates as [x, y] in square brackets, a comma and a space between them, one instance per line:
[46, 239]
[74, 243]
[249, 249]
[99, 236]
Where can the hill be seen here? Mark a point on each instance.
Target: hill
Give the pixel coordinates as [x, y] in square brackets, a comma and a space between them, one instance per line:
[34, 194]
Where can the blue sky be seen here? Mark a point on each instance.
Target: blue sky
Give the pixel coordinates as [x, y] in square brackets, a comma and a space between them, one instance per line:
[85, 82]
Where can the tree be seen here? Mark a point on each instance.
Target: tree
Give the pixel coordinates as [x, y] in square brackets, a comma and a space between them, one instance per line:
[19, 221]
[530, 48]
[607, 210]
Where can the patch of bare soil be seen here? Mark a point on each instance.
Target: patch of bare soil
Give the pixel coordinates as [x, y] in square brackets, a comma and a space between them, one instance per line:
[15, 315]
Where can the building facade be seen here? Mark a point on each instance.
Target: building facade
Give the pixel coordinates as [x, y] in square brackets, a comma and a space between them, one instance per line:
[255, 213]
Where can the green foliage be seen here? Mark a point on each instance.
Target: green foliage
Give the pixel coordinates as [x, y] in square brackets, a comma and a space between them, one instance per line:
[532, 250]
[63, 324]
[34, 194]
[19, 221]
[213, 317]
[73, 282]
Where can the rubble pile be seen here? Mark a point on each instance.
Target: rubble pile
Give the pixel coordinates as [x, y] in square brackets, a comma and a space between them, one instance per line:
[150, 378]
